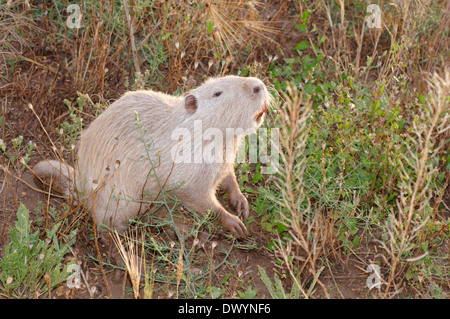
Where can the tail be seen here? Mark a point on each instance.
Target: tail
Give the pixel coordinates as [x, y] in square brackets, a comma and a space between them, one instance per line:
[60, 175]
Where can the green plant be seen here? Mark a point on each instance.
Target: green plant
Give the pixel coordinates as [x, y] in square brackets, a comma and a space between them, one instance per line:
[276, 289]
[70, 131]
[32, 266]
[41, 216]
[408, 228]
[250, 293]
[19, 153]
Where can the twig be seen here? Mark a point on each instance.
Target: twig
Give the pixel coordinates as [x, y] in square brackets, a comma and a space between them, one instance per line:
[98, 250]
[54, 149]
[133, 43]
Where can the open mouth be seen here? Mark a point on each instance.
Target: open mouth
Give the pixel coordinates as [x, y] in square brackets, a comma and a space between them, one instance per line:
[260, 114]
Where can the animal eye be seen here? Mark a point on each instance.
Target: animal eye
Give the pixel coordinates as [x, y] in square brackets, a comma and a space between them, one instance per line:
[217, 93]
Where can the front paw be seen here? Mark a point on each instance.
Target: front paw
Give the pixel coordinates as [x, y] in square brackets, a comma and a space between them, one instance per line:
[240, 203]
[233, 223]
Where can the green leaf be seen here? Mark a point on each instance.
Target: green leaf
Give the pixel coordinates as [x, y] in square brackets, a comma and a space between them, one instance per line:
[395, 47]
[22, 225]
[301, 26]
[356, 241]
[215, 292]
[248, 294]
[267, 226]
[210, 26]
[166, 36]
[305, 16]
[281, 228]
[424, 246]
[276, 288]
[272, 245]
[257, 177]
[302, 46]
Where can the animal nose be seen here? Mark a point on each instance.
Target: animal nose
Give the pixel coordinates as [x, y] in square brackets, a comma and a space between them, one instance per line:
[257, 88]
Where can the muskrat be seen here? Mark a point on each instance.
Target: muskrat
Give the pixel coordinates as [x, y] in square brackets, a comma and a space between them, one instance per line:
[114, 169]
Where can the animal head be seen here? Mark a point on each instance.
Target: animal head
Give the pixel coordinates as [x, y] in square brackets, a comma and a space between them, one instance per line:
[229, 102]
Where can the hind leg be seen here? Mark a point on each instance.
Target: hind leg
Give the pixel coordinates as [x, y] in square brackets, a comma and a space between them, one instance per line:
[110, 215]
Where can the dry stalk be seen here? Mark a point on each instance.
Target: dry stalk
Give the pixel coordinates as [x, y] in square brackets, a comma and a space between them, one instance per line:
[417, 173]
[234, 19]
[12, 25]
[180, 267]
[130, 257]
[137, 69]
[303, 225]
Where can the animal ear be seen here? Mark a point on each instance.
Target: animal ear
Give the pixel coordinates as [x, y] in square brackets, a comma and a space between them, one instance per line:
[190, 103]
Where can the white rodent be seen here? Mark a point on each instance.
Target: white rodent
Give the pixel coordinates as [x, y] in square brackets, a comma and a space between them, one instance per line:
[113, 170]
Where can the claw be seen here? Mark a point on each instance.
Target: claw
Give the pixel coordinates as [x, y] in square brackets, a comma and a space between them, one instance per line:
[234, 224]
[240, 203]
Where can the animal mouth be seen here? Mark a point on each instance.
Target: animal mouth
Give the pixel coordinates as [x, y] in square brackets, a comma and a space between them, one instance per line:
[260, 114]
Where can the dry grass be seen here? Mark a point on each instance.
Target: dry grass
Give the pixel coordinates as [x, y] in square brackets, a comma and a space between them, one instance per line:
[133, 259]
[408, 226]
[12, 43]
[233, 22]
